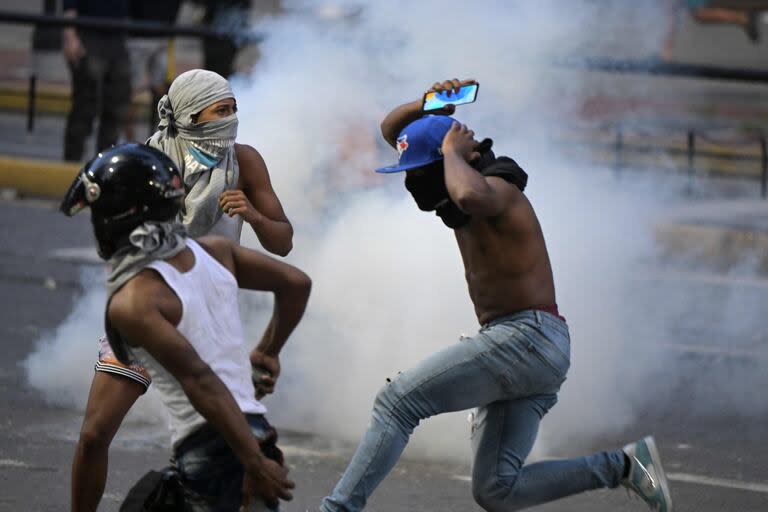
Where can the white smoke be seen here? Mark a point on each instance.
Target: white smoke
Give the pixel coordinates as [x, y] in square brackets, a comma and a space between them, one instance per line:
[389, 287]
[388, 281]
[57, 365]
[62, 365]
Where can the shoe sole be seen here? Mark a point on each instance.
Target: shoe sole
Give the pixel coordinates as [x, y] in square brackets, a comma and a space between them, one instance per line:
[651, 444]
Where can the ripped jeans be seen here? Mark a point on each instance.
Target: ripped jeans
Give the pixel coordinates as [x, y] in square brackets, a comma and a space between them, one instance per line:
[512, 370]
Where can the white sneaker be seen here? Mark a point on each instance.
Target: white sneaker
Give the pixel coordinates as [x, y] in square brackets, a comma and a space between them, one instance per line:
[646, 476]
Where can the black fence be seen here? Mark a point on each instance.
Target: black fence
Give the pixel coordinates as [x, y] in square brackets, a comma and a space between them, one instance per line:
[112, 26]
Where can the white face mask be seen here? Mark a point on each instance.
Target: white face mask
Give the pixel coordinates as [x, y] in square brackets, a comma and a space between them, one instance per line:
[212, 140]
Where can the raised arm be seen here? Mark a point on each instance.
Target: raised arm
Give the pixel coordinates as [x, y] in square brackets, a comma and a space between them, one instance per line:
[409, 112]
[143, 322]
[398, 119]
[472, 192]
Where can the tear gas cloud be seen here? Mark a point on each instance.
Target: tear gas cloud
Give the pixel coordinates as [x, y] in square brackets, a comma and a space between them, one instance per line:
[389, 286]
[388, 282]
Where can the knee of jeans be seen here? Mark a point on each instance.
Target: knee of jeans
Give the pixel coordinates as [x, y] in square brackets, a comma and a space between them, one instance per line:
[543, 403]
[392, 400]
[387, 398]
[495, 493]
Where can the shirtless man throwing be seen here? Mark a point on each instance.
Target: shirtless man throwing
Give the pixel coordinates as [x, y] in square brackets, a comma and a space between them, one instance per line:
[513, 368]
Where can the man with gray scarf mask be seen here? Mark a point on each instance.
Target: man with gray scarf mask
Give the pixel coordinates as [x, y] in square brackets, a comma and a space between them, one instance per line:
[198, 127]
[225, 183]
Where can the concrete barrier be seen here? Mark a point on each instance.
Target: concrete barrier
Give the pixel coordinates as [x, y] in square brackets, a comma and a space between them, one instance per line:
[39, 178]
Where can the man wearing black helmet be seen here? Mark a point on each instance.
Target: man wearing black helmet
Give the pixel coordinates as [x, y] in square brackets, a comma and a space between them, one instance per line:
[172, 306]
[227, 184]
[513, 368]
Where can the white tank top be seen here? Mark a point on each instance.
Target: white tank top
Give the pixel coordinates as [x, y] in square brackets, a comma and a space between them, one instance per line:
[210, 321]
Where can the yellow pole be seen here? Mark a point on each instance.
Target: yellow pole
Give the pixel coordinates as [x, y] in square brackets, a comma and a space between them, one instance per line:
[170, 69]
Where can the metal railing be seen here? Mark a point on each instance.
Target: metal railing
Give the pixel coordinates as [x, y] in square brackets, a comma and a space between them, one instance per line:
[690, 152]
[127, 27]
[656, 67]
[112, 26]
[659, 67]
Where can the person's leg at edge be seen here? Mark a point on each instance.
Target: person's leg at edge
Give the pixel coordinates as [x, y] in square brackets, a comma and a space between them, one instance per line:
[453, 379]
[718, 15]
[110, 399]
[82, 110]
[503, 434]
[116, 98]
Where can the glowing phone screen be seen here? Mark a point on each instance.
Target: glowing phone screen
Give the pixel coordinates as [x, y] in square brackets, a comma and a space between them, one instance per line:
[436, 100]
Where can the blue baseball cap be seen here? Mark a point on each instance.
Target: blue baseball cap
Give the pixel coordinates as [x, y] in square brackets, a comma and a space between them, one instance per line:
[419, 143]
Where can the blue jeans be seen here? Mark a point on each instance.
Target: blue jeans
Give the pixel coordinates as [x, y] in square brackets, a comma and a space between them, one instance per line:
[512, 370]
[211, 475]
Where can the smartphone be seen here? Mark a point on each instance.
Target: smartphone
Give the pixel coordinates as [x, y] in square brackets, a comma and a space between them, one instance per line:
[436, 100]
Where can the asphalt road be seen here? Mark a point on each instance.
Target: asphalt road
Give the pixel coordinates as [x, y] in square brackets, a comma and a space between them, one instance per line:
[717, 460]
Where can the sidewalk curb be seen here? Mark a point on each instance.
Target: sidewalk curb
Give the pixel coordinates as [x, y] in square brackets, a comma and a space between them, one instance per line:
[40, 178]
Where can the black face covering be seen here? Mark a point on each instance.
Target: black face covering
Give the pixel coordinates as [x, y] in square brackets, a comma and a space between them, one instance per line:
[487, 157]
[430, 192]
[428, 187]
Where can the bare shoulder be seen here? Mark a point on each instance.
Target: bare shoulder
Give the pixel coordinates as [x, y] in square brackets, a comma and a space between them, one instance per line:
[253, 170]
[249, 157]
[220, 249]
[518, 212]
[505, 189]
[137, 298]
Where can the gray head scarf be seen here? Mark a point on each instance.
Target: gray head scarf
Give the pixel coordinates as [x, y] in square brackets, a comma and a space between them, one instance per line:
[205, 152]
[149, 242]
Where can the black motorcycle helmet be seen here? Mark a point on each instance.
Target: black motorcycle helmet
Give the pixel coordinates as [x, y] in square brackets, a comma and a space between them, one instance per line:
[125, 186]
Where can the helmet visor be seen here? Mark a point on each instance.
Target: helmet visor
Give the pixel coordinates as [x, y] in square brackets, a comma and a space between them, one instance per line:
[74, 199]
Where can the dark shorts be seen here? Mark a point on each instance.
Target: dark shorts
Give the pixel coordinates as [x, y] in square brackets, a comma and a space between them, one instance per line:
[210, 473]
